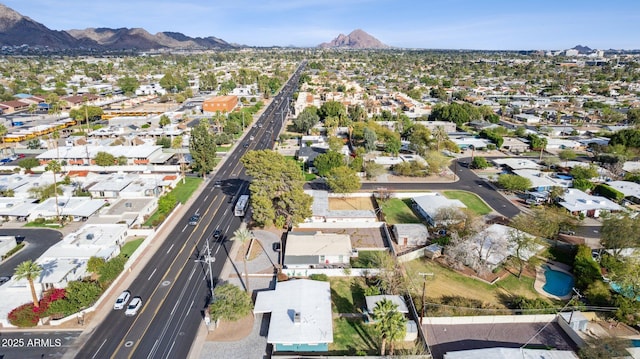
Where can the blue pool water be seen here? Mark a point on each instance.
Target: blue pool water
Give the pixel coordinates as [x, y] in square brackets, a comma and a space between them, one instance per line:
[558, 283]
[635, 343]
[624, 291]
[564, 177]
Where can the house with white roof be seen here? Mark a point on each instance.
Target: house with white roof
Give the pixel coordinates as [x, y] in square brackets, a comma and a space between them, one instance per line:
[320, 211]
[429, 204]
[516, 163]
[84, 155]
[578, 202]
[80, 208]
[67, 260]
[317, 250]
[527, 118]
[631, 190]
[301, 319]
[542, 181]
[410, 234]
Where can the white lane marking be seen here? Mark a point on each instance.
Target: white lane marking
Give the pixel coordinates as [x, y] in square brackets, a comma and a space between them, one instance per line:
[97, 351]
[207, 196]
[170, 248]
[185, 227]
[154, 348]
[152, 273]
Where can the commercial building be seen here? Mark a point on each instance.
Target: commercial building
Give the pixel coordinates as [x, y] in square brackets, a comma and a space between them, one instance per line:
[220, 104]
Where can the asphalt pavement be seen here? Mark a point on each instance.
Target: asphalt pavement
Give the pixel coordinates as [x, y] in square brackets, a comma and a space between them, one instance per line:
[37, 241]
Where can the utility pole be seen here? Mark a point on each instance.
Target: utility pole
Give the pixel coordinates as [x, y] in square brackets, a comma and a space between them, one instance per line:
[424, 287]
[208, 259]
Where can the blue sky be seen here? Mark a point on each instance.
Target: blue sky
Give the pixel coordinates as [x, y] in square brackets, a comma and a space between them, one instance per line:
[443, 24]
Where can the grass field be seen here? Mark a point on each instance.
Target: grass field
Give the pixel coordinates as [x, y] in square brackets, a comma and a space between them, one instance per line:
[446, 282]
[353, 337]
[472, 201]
[347, 294]
[184, 190]
[398, 211]
[131, 247]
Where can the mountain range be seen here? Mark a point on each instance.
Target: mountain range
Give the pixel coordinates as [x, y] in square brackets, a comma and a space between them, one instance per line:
[17, 30]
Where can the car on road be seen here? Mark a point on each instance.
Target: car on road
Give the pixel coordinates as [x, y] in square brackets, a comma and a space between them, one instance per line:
[568, 232]
[21, 155]
[4, 279]
[19, 238]
[246, 145]
[194, 219]
[122, 300]
[6, 160]
[217, 183]
[217, 234]
[134, 307]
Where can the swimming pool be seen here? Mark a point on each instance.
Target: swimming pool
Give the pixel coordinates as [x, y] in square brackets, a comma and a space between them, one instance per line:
[557, 283]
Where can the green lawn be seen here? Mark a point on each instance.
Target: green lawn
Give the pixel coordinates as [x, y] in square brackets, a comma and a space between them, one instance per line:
[347, 294]
[471, 200]
[184, 190]
[447, 282]
[353, 337]
[398, 211]
[130, 247]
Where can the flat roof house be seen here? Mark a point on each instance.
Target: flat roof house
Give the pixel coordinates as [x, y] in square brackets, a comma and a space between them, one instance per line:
[301, 319]
[430, 204]
[317, 250]
[579, 202]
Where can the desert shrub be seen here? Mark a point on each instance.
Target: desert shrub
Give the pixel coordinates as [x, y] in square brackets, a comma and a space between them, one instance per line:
[319, 277]
[598, 293]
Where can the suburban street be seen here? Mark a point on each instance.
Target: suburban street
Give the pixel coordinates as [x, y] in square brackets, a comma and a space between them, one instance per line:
[174, 286]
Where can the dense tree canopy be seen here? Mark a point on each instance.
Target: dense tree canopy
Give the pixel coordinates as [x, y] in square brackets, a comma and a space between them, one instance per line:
[277, 194]
[202, 148]
[343, 180]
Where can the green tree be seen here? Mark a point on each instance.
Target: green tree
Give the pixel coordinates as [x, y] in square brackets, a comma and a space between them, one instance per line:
[94, 264]
[440, 135]
[479, 163]
[420, 139]
[514, 182]
[203, 149]
[29, 270]
[393, 145]
[104, 159]
[584, 172]
[230, 303]
[277, 192]
[343, 180]
[164, 121]
[208, 82]
[306, 120]
[437, 161]
[370, 139]
[389, 323]
[325, 162]
[87, 113]
[128, 84]
[567, 155]
[619, 232]
[605, 348]
[167, 203]
[373, 169]
[335, 143]
[243, 236]
[332, 109]
[29, 163]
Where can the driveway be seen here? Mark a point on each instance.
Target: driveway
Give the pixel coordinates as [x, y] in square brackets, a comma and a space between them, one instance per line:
[37, 241]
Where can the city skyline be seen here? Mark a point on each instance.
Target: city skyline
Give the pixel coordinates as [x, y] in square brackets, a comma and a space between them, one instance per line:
[455, 24]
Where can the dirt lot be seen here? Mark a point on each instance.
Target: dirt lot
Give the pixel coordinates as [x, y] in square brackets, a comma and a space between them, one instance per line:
[350, 203]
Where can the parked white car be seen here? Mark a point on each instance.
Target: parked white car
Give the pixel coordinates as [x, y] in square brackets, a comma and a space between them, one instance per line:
[122, 300]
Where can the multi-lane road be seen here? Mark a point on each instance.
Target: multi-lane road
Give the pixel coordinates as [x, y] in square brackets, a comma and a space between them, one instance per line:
[174, 285]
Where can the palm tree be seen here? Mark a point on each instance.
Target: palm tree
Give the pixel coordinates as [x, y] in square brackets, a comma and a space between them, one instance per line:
[243, 235]
[390, 324]
[29, 270]
[176, 144]
[54, 166]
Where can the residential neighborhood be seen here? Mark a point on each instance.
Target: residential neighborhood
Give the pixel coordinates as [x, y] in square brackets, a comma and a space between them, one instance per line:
[423, 203]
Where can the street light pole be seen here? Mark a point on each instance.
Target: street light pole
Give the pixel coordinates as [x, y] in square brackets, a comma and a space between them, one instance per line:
[424, 287]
